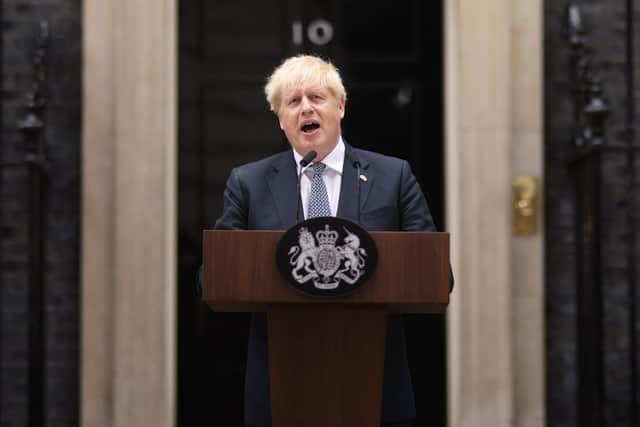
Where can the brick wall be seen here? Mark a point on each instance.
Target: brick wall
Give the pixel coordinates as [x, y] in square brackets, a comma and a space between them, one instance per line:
[62, 134]
[605, 22]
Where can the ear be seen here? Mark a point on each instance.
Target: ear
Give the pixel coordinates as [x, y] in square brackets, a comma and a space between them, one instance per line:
[279, 120]
[341, 108]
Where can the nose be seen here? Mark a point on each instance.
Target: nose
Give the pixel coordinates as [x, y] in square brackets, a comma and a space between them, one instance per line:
[306, 105]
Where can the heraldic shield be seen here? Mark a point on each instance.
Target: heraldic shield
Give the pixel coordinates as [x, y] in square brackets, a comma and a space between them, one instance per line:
[326, 256]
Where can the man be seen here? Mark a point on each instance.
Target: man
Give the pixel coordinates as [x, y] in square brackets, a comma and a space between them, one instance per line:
[307, 95]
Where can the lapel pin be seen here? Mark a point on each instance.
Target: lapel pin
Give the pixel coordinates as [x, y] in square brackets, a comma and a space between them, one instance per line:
[363, 178]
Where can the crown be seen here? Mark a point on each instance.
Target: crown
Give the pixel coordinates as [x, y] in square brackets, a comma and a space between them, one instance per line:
[326, 236]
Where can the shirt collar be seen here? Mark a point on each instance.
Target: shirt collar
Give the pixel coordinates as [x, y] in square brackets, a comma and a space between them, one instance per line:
[334, 160]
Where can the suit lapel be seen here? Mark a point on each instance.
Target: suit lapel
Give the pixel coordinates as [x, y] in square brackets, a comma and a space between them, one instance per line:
[282, 181]
[347, 205]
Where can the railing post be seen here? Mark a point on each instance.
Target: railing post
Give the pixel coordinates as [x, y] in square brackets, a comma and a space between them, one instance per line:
[590, 114]
[32, 126]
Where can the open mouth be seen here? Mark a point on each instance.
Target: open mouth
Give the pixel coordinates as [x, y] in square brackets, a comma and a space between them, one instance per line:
[309, 127]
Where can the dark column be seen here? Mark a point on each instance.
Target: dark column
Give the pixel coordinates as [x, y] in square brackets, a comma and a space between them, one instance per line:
[601, 163]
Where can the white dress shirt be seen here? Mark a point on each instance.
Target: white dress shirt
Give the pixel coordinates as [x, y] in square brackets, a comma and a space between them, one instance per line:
[332, 177]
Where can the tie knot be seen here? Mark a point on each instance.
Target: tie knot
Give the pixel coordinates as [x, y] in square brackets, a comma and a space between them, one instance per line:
[318, 168]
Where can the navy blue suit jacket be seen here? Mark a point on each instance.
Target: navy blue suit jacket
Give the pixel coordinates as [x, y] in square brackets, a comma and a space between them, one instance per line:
[263, 195]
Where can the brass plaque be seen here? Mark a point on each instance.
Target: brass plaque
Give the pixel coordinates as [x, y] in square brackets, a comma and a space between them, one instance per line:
[525, 205]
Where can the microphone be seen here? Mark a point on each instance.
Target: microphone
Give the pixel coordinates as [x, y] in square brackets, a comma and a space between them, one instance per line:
[308, 158]
[359, 177]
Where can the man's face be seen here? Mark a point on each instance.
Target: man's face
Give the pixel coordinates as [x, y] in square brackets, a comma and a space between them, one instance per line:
[310, 118]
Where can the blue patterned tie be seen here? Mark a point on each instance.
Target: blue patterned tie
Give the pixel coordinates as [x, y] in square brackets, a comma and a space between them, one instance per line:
[318, 200]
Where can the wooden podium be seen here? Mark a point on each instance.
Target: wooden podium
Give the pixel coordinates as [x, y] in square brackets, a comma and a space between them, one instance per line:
[326, 356]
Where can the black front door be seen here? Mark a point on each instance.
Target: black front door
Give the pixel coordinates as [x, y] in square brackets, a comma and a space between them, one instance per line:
[390, 55]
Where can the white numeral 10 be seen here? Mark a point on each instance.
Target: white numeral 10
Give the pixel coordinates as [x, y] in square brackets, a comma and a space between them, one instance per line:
[319, 32]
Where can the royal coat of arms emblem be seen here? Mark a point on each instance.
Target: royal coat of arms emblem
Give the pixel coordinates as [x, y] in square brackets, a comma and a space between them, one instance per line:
[326, 256]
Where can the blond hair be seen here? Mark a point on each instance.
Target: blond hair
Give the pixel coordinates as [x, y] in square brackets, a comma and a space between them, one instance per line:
[300, 71]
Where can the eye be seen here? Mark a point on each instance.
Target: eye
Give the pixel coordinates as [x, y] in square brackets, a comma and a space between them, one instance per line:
[293, 101]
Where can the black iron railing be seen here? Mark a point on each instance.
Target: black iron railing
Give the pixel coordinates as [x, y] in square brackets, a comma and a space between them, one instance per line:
[593, 151]
[35, 162]
[590, 111]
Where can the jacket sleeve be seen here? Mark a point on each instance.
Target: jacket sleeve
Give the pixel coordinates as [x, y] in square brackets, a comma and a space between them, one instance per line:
[235, 210]
[414, 212]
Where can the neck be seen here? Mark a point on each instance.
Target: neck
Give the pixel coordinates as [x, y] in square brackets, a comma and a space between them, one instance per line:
[322, 154]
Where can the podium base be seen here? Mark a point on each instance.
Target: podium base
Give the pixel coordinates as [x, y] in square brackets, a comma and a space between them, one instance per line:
[326, 364]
